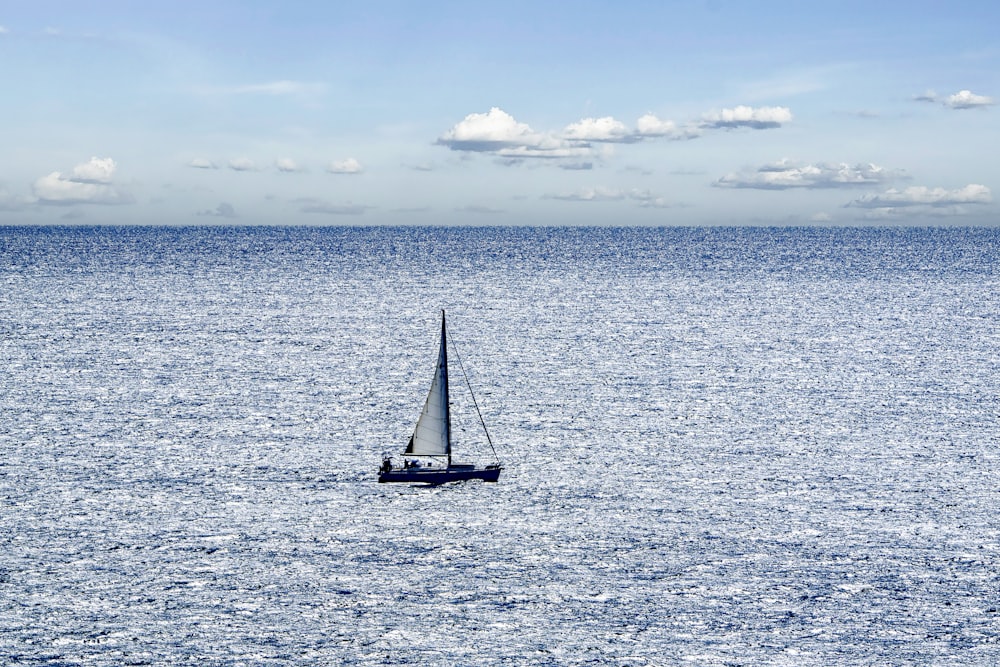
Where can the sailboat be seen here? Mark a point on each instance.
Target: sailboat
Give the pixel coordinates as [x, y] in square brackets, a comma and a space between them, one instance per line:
[431, 439]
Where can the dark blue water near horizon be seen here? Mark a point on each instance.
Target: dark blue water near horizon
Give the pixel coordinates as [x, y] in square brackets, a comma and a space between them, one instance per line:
[722, 446]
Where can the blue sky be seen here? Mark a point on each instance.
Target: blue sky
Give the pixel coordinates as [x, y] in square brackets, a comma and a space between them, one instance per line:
[650, 113]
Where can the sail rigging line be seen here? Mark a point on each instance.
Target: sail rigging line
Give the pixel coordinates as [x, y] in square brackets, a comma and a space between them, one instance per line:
[468, 384]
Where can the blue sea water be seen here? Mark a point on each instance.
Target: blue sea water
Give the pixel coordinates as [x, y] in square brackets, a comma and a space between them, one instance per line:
[721, 446]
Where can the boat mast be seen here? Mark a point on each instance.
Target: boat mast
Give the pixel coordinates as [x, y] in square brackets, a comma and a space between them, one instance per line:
[444, 373]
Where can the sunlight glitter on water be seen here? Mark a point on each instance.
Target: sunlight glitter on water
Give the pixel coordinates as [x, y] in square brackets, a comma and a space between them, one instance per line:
[721, 447]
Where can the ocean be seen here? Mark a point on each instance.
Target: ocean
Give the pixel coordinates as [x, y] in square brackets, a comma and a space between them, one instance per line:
[721, 446]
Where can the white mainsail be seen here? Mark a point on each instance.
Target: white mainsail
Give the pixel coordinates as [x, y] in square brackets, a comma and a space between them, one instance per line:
[432, 436]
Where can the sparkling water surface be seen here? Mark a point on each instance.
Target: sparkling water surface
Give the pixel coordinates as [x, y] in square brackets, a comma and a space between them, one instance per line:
[721, 446]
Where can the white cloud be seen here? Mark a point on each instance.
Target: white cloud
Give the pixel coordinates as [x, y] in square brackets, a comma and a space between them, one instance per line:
[202, 163]
[59, 189]
[965, 99]
[491, 132]
[498, 133]
[348, 166]
[242, 164]
[287, 165]
[96, 170]
[785, 175]
[3, 30]
[651, 126]
[598, 129]
[89, 183]
[759, 118]
[927, 197]
[609, 130]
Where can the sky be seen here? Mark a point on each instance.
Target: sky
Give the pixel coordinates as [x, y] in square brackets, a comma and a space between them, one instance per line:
[700, 112]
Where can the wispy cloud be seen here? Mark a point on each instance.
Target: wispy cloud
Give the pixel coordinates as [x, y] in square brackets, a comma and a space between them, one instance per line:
[924, 196]
[598, 193]
[919, 202]
[645, 198]
[277, 88]
[202, 163]
[553, 150]
[223, 210]
[785, 175]
[792, 83]
[326, 208]
[479, 210]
